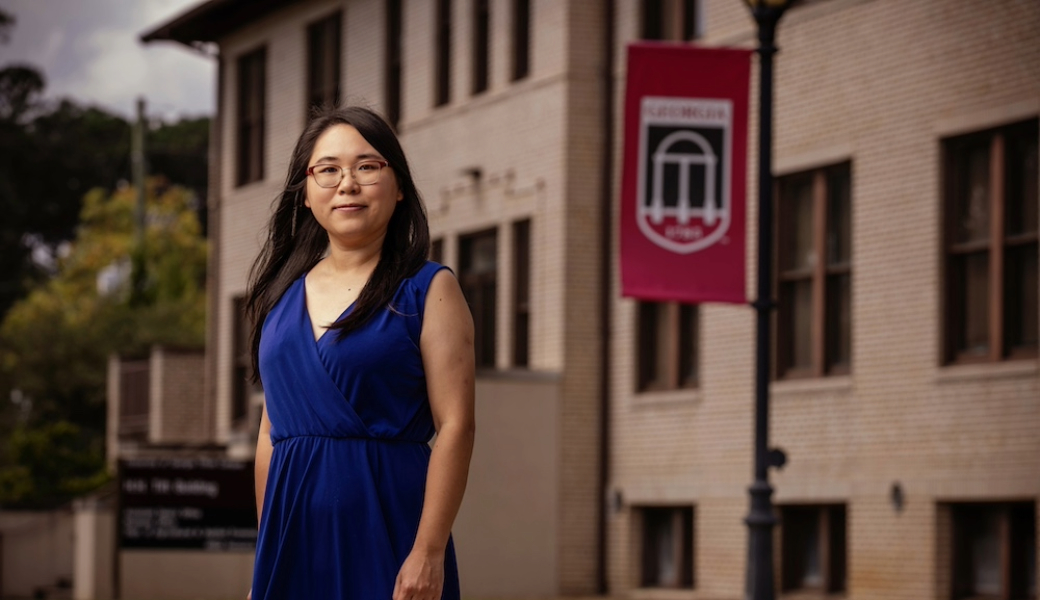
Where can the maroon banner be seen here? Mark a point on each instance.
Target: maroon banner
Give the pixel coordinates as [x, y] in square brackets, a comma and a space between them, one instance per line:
[683, 185]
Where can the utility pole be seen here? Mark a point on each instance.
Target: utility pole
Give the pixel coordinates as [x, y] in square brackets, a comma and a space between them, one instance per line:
[137, 161]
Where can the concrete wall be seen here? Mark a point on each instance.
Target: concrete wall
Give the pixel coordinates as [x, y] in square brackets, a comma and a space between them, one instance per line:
[36, 549]
[94, 553]
[177, 575]
[505, 535]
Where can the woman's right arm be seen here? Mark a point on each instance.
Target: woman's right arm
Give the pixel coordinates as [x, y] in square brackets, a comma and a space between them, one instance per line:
[263, 462]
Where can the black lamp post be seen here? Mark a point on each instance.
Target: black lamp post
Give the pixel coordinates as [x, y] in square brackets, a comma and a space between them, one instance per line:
[760, 519]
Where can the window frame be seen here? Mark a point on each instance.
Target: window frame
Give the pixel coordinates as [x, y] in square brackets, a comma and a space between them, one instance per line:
[663, 346]
[832, 538]
[1012, 517]
[250, 124]
[824, 333]
[996, 248]
[682, 520]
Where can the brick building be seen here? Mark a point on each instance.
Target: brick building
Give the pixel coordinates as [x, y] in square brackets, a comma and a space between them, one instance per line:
[614, 445]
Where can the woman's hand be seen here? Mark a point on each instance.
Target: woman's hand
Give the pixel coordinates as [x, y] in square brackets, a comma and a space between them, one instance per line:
[421, 577]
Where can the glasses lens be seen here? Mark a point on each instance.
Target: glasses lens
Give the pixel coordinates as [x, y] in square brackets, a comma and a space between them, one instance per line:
[366, 172]
[327, 175]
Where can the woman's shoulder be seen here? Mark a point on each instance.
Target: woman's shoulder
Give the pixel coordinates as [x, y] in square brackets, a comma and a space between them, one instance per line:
[424, 275]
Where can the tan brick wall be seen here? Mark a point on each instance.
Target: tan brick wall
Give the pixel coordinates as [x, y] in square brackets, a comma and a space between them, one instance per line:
[879, 83]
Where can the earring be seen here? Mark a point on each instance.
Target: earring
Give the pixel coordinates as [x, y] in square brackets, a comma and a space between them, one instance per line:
[293, 234]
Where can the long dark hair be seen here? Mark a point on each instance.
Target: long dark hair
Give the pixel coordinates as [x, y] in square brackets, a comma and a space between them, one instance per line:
[288, 254]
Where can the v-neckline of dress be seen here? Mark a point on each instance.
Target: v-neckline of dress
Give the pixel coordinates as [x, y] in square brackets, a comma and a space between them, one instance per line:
[307, 312]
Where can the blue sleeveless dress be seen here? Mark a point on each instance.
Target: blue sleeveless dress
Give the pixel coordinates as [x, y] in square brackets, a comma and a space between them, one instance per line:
[350, 424]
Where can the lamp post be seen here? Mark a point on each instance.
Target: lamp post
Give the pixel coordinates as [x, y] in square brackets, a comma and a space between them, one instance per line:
[760, 519]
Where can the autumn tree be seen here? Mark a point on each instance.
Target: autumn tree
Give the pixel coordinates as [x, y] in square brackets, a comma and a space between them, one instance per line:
[55, 343]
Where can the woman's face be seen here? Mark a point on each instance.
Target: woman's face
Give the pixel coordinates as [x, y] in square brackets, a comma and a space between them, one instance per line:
[352, 214]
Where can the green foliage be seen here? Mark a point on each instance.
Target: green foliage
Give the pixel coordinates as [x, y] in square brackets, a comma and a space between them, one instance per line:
[55, 343]
[51, 463]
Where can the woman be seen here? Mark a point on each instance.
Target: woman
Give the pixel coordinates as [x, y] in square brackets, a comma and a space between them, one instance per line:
[365, 350]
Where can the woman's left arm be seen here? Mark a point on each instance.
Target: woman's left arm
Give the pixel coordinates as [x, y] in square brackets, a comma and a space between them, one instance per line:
[446, 344]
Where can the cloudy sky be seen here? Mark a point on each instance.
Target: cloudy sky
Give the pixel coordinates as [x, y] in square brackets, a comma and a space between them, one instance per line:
[90, 50]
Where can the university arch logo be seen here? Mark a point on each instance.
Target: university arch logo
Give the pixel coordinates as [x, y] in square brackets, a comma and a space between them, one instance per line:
[683, 198]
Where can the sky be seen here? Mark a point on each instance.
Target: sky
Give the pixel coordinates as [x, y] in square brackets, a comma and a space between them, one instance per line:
[90, 50]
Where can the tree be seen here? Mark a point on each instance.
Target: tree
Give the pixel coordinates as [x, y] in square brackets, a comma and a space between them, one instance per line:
[55, 343]
[52, 153]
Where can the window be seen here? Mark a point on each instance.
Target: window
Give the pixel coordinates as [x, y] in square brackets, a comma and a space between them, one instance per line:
[813, 548]
[667, 560]
[991, 245]
[481, 44]
[393, 61]
[323, 62]
[521, 38]
[521, 292]
[134, 396]
[668, 346]
[437, 251]
[443, 53]
[814, 321]
[994, 551]
[242, 365]
[251, 107]
[675, 20]
[478, 274]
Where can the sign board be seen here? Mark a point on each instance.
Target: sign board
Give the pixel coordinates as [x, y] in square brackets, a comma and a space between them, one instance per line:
[189, 503]
[684, 178]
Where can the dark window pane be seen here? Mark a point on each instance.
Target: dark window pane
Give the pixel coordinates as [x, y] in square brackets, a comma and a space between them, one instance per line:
[971, 191]
[323, 62]
[689, 20]
[797, 250]
[521, 291]
[521, 38]
[838, 549]
[653, 16]
[478, 268]
[839, 321]
[667, 547]
[801, 548]
[839, 216]
[1023, 550]
[393, 61]
[1020, 297]
[970, 275]
[653, 346]
[1022, 176]
[481, 44]
[443, 52]
[795, 326]
[251, 106]
[689, 353]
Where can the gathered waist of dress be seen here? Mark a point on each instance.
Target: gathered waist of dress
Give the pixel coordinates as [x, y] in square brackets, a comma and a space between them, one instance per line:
[347, 438]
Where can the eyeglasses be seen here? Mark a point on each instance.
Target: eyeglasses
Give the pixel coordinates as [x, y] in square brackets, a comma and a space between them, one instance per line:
[365, 172]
